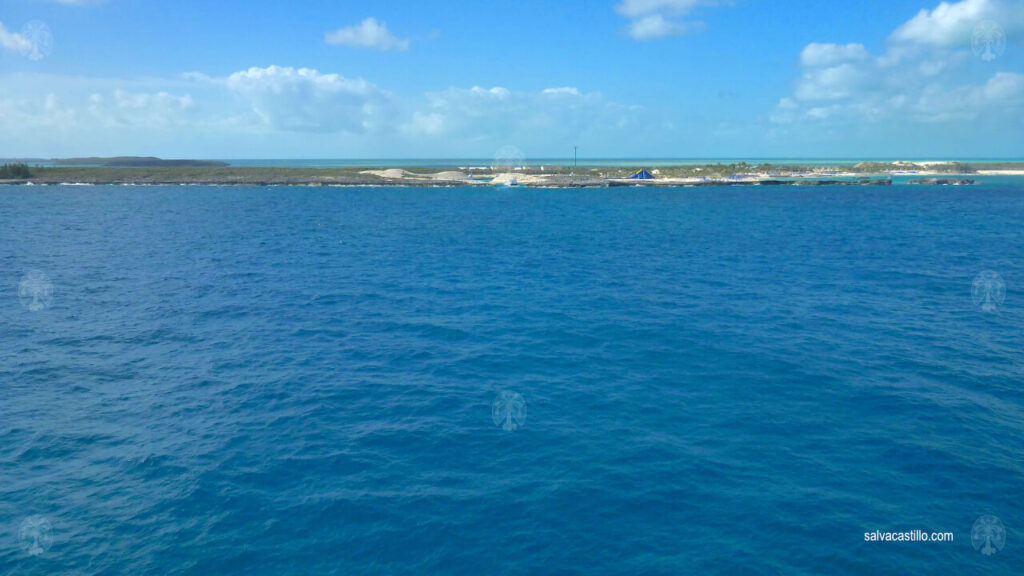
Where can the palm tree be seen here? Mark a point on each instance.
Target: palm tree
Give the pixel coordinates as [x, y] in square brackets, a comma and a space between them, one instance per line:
[35, 291]
[509, 411]
[36, 535]
[988, 291]
[989, 41]
[990, 531]
[41, 39]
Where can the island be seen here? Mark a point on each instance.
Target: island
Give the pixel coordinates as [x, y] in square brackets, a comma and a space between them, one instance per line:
[135, 162]
[155, 171]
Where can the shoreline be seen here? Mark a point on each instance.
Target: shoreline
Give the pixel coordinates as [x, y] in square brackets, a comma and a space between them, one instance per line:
[612, 183]
[522, 176]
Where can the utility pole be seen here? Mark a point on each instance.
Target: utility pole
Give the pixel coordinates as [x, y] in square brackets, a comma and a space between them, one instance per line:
[573, 173]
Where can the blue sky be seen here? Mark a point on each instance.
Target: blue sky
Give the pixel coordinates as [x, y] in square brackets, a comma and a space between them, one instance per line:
[619, 78]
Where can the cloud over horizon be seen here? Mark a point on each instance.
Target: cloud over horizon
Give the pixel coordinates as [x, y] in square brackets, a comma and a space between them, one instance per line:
[927, 73]
[304, 100]
[303, 105]
[918, 84]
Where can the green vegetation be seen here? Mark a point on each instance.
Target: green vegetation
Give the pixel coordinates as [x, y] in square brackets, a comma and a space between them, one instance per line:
[135, 162]
[883, 167]
[201, 175]
[14, 172]
[556, 175]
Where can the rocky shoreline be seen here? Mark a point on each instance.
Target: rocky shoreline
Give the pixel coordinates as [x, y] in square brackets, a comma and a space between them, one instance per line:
[431, 183]
[158, 172]
[943, 181]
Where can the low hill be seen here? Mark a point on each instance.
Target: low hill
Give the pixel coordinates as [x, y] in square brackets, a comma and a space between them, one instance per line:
[135, 162]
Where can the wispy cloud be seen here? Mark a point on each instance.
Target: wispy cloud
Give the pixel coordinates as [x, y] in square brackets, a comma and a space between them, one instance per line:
[499, 115]
[816, 55]
[264, 110]
[369, 34]
[653, 19]
[140, 109]
[14, 42]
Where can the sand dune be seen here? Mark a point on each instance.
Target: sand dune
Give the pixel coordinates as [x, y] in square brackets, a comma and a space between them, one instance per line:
[390, 173]
[450, 175]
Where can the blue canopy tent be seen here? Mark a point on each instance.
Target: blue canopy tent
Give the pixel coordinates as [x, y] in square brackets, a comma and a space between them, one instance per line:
[641, 175]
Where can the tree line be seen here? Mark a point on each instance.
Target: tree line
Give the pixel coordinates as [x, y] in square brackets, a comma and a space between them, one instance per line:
[14, 172]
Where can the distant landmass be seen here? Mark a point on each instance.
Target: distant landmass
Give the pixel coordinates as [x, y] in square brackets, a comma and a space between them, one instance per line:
[150, 170]
[135, 162]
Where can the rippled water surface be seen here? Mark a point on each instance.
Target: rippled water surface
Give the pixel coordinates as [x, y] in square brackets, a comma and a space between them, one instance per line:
[294, 381]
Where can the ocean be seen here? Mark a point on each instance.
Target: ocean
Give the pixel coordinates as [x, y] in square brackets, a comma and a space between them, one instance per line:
[296, 381]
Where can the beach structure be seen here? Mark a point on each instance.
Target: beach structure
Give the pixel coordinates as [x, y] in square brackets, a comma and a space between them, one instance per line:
[641, 174]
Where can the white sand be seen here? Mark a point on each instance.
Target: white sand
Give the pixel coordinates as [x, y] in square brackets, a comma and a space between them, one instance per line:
[922, 162]
[400, 174]
[450, 175]
[507, 178]
[392, 173]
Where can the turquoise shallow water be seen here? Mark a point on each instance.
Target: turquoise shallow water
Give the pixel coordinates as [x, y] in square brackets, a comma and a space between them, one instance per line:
[715, 380]
[566, 161]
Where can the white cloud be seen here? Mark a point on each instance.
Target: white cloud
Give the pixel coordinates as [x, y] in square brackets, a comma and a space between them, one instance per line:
[141, 109]
[1005, 89]
[785, 111]
[655, 26]
[367, 34]
[952, 24]
[425, 124]
[815, 54]
[927, 73]
[46, 112]
[653, 19]
[273, 111]
[304, 100]
[833, 83]
[159, 101]
[639, 8]
[1005, 86]
[491, 117]
[14, 42]
[564, 91]
[497, 93]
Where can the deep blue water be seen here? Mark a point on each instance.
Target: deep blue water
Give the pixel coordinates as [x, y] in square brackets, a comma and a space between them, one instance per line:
[294, 381]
